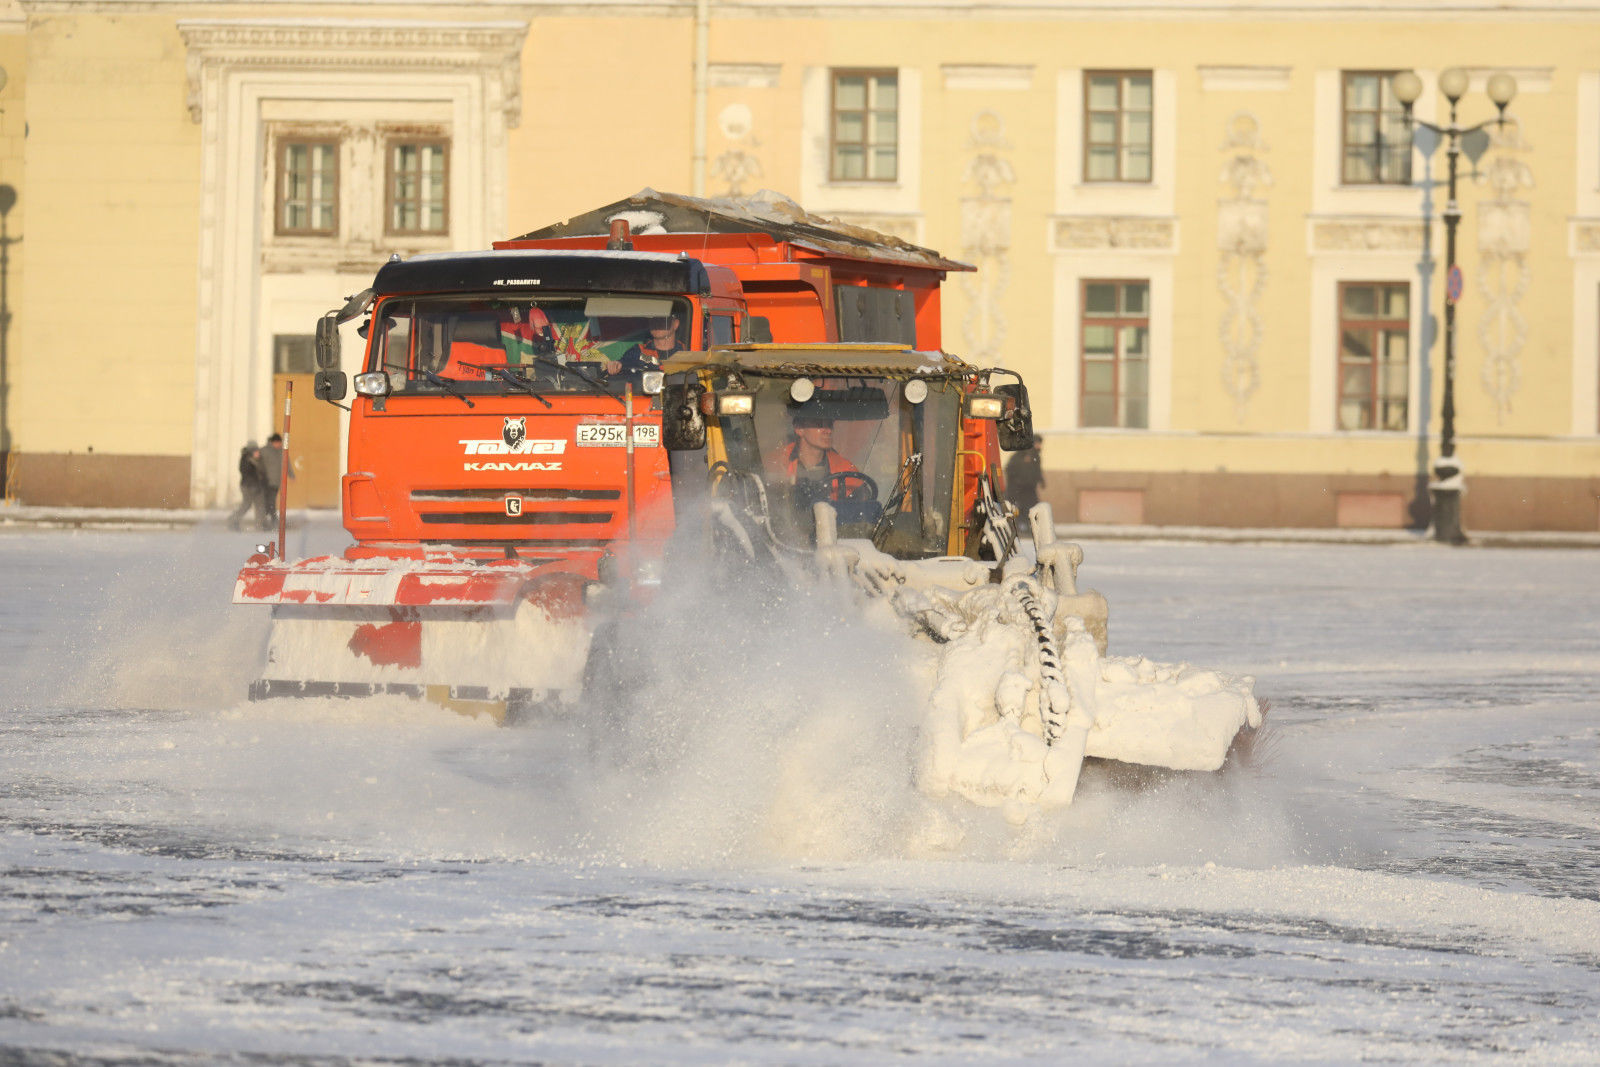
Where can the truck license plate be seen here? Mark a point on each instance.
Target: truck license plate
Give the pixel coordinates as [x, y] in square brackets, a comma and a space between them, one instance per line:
[615, 434]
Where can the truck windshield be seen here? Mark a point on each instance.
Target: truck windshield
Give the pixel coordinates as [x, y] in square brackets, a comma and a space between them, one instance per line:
[886, 464]
[552, 344]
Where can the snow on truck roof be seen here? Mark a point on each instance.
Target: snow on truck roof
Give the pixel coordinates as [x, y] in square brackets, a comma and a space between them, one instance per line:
[649, 212]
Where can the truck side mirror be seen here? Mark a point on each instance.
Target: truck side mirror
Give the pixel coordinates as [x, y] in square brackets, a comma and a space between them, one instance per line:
[1016, 425]
[328, 341]
[683, 427]
[329, 385]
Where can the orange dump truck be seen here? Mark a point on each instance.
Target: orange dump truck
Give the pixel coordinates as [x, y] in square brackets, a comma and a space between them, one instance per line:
[506, 451]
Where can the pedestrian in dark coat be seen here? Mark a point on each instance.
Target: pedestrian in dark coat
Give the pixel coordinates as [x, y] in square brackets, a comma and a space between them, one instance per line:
[1024, 476]
[250, 480]
[271, 479]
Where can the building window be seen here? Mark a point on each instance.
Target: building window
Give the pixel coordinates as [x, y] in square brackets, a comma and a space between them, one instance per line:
[308, 187]
[1116, 354]
[865, 126]
[418, 187]
[294, 353]
[1374, 355]
[1118, 126]
[1377, 145]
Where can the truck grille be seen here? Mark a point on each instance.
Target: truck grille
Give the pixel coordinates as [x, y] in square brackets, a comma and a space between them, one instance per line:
[527, 518]
[541, 510]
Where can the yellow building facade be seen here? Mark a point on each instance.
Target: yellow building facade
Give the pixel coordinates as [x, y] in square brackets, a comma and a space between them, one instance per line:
[1202, 233]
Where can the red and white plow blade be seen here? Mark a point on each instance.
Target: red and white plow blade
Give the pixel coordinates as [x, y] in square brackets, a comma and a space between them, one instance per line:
[495, 631]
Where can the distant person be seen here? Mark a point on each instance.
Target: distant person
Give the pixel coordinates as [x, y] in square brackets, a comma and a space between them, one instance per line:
[271, 479]
[1024, 476]
[647, 355]
[250, 482]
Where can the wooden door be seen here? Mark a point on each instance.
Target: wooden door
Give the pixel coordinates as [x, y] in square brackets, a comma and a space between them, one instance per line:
[314, 427]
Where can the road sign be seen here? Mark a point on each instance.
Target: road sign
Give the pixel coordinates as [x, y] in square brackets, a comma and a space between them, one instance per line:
[1452, 285]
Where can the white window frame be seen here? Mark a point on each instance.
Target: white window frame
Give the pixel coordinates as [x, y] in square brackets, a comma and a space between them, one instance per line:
[1329, 194]
[1071, 271]
[1327, 271]
[1074, 195]
[818, 192]
[869, 75]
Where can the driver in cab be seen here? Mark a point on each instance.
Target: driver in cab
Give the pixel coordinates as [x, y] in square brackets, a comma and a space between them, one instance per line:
[808, 461]
[647, 355]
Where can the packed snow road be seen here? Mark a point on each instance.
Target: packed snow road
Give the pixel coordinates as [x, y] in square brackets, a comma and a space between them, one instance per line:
[737, 868]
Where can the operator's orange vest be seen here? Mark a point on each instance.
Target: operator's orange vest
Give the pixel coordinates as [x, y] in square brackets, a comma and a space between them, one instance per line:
[787, 459]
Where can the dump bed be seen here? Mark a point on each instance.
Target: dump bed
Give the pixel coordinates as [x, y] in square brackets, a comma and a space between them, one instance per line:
[810, 278]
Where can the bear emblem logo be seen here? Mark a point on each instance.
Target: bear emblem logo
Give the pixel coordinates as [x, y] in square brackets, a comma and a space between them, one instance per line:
[514, 432]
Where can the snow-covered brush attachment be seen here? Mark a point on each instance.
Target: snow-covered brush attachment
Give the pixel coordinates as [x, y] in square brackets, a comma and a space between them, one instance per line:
[1023, 690]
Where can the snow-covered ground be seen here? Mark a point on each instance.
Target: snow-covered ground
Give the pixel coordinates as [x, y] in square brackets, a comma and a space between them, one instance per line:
[738, 868]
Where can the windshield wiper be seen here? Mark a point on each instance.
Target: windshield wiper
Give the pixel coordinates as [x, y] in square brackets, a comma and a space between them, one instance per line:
[434, 379]
[504, 374]
[443, 383]
[902, 486]
[585, 375]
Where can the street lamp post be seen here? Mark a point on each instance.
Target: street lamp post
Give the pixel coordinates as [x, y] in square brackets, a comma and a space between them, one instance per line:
[1448, 483]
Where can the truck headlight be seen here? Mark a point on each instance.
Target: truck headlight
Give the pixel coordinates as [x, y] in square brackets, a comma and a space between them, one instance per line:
[651, 382]
[373, 383]
[985, 406]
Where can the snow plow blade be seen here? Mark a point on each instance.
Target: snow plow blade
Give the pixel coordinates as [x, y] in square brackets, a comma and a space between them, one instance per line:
[477, 637]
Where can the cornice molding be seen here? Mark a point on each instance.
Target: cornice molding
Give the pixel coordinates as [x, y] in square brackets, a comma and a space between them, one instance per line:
[1008, 76]
[1245, 79]
[490, 48]
[1529, 79]
[990, 10]
[744, 75]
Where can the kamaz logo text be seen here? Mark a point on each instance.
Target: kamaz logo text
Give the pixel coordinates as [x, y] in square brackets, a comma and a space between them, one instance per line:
[527, 446]
[526, 465]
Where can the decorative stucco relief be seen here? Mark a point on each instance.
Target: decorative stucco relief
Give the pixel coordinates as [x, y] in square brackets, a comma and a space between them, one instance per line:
[491, 49]
[1084, 233]
[738, 163]
[1505, 234]
[1242, 246]
[1366, 236]
[1586, 238]
[986, 237]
